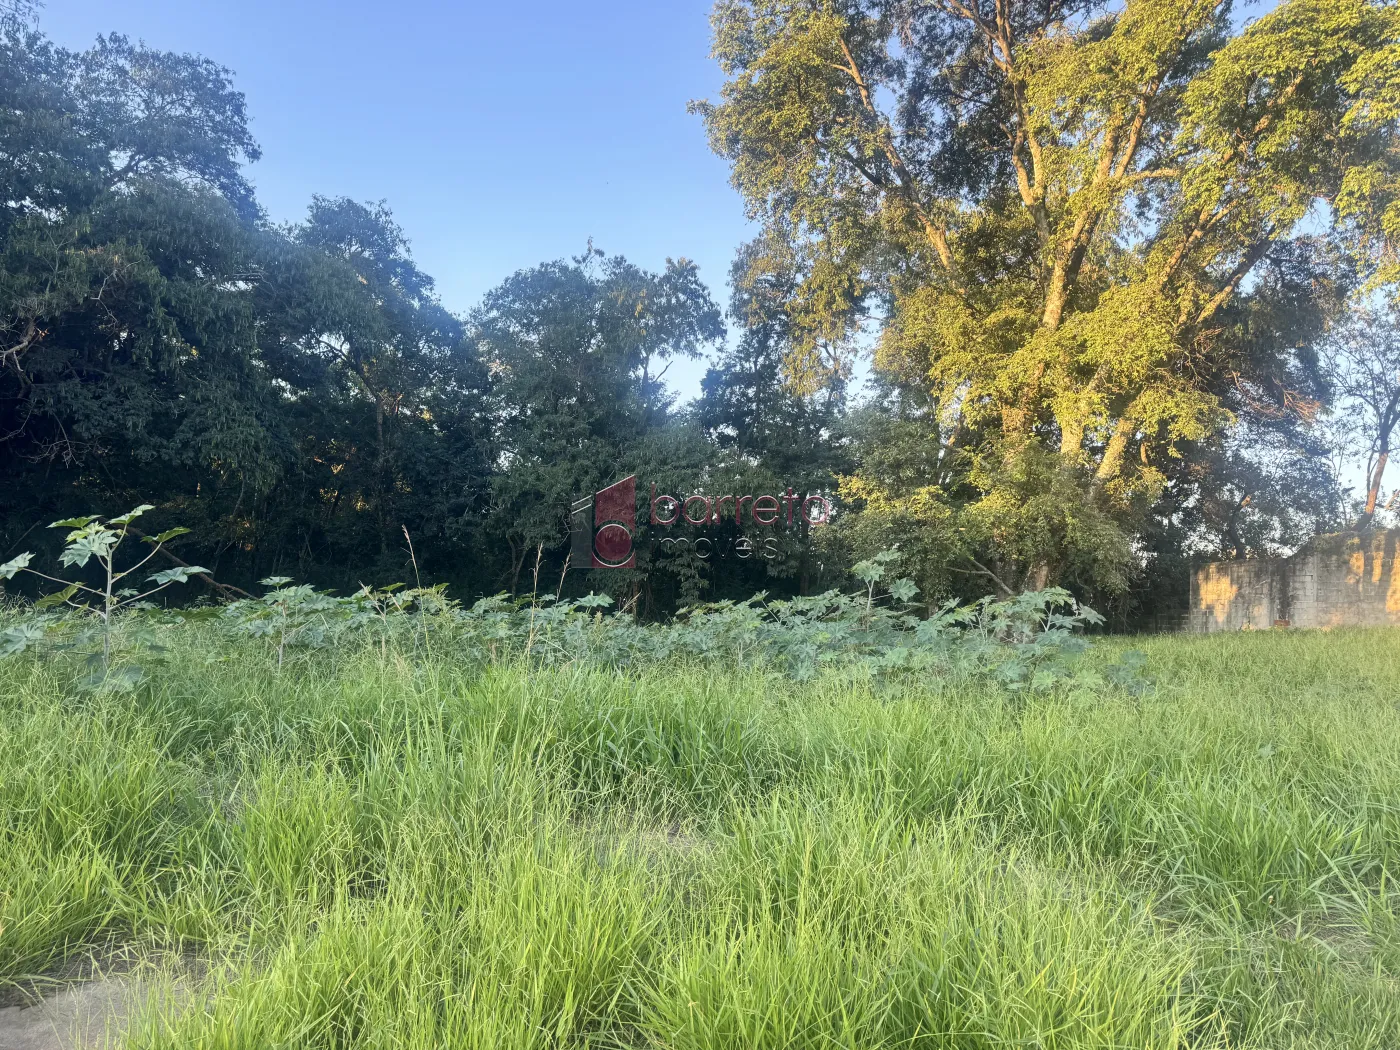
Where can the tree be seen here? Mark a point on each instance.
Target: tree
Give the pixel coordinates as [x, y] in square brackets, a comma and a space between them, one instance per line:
[81, 126]
[577, 351]
[1364, 360]
[744, 402]
[766, 435]
[385, 395]
[126, 253]
[1066, 217]
[298, 396]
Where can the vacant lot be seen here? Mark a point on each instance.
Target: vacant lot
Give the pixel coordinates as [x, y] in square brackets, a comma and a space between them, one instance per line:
[368, 850]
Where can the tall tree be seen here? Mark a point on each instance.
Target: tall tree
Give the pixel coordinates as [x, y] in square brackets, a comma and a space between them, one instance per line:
[745, 403]
[768, 436]
[297, 395]
[384, 394]
[126, 318]
[577, 351]
[1364, 360]
[1064, 214]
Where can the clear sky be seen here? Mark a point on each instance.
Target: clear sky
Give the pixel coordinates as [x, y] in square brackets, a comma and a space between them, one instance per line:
[501, 134]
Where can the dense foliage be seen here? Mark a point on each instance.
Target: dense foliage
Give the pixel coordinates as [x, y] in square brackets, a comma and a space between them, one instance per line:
[1096, 239]
[298, 396]
[112, 634]
[1101, 246]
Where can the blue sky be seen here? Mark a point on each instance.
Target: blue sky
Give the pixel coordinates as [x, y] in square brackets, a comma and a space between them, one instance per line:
[501, 134]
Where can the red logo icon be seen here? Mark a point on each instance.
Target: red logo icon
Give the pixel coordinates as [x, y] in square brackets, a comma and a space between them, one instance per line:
[602, 526]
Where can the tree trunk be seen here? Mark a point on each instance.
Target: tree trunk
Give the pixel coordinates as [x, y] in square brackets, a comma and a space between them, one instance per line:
[1373, 493]
[1071, 438]
[517, 560]
[383, 499]
[1037, 577]
[1232, 529]
[1057, 297]
[1112, 463]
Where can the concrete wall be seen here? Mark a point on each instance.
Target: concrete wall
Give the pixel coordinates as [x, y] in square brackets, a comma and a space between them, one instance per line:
[1347, 579]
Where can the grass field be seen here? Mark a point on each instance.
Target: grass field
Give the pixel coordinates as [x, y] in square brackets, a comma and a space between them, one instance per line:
[377, 851]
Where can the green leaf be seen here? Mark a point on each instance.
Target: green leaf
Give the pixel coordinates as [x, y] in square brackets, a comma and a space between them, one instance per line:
[48, 601]
[133, 514]
[167, 535]
[14, 565]
[123, 679]
[82, 548]
[275, 581]
[177, 575]
[15, 640]
[903, 590]
[74, 523]
[868, 571]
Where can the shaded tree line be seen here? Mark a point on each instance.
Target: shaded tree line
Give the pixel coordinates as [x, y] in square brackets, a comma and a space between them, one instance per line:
[1109, 256]
[297, 394]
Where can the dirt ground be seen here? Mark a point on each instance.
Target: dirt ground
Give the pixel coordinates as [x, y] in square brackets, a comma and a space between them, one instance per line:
[92, 1014]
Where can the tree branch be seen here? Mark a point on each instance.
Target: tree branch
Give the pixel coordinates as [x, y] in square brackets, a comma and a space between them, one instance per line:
[935, 234]
[226, 589]
[983, 570]
[1251, 257]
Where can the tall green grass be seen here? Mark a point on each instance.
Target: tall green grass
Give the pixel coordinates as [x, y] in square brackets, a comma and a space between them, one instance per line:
[373, 850]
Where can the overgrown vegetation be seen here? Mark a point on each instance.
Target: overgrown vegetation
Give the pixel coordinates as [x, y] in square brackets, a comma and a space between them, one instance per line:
[1025, 642]
[1100, 246]
[396, 842]
[1100, 243]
